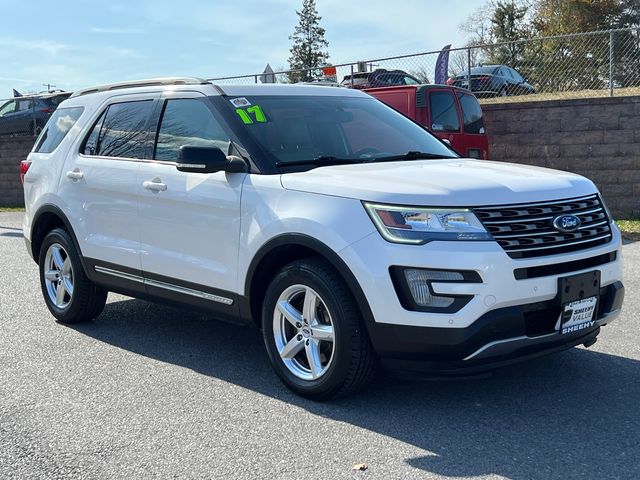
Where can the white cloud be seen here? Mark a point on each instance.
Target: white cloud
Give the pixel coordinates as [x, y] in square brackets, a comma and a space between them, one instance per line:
[46, 46]
[118, 31]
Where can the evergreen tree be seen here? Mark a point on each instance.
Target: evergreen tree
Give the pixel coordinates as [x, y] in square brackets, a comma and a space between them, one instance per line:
[509, 24]
[309, 43]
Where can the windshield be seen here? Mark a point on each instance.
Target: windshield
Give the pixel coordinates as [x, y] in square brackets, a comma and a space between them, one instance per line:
[300, 128]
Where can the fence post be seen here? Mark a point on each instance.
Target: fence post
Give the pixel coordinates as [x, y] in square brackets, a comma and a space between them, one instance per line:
[611, 79]
[469, 67]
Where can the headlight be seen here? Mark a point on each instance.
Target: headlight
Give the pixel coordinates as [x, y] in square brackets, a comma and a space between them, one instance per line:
[417, 225]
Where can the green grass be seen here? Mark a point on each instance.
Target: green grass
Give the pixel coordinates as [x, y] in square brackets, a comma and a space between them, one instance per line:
[11, 209]
[629, 226]
[618, 92]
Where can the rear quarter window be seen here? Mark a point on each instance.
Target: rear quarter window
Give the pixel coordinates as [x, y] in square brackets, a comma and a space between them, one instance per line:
[57, 128]
[471, 114]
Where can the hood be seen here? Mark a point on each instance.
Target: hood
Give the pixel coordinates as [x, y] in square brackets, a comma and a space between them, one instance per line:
[459, 182]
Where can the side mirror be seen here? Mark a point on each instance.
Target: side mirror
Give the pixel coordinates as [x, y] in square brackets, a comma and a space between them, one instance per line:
[207, 160]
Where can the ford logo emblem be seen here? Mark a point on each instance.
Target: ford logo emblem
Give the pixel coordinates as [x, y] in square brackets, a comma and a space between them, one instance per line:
[566, 223]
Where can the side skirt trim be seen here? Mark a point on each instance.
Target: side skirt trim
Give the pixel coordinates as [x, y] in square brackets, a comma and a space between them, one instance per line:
[188, 291]
[119, 274]
[164, 285]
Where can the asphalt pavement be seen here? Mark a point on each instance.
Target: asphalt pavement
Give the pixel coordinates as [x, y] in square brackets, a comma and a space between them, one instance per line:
[146, 391]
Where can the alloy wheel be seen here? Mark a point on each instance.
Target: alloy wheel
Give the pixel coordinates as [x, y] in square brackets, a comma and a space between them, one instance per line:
[304, 332]
[58, 276]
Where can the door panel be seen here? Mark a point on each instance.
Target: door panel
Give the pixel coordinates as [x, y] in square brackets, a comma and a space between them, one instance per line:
[190, 225]
[473, 140]
[190, 230]
[104, 208]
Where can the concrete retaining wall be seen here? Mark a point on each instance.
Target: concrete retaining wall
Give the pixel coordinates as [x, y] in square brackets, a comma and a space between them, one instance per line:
[12, 151]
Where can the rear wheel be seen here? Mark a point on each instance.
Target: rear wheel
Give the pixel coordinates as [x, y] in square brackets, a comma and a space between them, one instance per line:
[70, 296]
[314, 333]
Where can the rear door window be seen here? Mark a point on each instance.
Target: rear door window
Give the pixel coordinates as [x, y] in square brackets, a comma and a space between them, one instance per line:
[188, 121]
[471, 114]
[121, 130]
[24, 105]
[91, 142]
[57, 128]
[444, 113]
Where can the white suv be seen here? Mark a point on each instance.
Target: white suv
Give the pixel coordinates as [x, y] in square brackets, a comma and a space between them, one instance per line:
[344, 230]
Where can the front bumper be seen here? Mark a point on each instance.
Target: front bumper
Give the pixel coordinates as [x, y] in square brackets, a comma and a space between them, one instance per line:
[512, 315]
[498, 338]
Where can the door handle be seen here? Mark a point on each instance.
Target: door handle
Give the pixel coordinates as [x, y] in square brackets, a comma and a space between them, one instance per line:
[75, 174]
[155, 185]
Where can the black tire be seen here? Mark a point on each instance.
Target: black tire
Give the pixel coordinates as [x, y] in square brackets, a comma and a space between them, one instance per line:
[353, 362]
[87, 299]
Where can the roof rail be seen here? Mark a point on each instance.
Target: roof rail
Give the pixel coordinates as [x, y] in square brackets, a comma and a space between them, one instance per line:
[151, 82]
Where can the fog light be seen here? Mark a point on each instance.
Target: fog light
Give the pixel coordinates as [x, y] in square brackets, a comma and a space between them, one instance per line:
[418, 282]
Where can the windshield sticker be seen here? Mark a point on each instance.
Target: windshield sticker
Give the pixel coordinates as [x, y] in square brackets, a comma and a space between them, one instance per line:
[246, 115]
[240, 102]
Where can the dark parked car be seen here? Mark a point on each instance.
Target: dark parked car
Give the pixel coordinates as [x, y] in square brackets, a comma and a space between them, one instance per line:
[493, 80]
[27, 115]
[379, 78]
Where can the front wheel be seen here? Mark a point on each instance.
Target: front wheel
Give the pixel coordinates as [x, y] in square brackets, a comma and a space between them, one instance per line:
[314, 333]
[70, 296]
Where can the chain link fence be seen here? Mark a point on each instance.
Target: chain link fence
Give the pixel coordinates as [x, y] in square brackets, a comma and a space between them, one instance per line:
[604, 63]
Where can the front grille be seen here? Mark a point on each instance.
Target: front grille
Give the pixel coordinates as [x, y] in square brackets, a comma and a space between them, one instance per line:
[526, 230]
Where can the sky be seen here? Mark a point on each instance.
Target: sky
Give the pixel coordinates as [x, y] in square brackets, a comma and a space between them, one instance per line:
[75, 44]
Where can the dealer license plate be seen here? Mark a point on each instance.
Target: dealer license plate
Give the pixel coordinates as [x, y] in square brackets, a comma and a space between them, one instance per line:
[578, 315]
[579, 300]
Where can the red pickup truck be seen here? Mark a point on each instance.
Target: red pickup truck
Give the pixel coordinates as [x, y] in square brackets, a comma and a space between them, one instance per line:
[451, 113]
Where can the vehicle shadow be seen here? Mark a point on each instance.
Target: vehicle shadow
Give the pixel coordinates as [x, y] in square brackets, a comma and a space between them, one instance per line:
[569, 415]
[14, 232]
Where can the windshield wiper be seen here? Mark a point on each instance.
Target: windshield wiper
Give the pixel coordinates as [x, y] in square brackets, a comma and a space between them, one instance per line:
[411, 156]
[321, 161]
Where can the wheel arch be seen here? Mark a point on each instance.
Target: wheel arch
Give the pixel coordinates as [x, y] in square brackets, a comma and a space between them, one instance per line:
[284, 249]
[46, 219]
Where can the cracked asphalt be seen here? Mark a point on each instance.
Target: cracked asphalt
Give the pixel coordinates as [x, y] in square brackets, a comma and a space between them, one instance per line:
[147, 391]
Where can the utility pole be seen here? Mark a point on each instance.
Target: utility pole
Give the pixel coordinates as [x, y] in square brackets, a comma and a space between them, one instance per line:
[49, 87]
